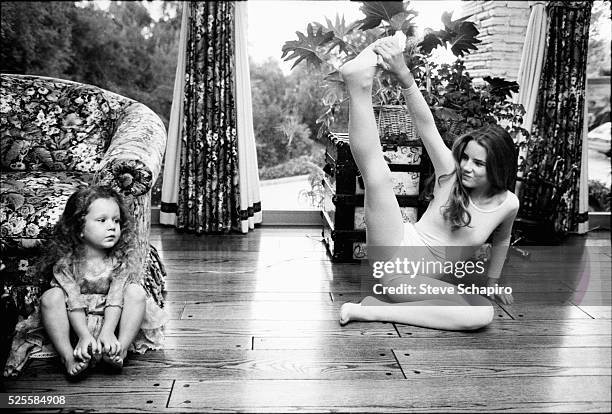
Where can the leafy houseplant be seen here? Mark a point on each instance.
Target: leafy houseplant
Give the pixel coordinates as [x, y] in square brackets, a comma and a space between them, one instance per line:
[457, 104]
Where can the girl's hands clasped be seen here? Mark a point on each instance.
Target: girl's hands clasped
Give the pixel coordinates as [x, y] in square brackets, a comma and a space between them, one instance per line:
[81, 351]
[110, 344]
[392, 55]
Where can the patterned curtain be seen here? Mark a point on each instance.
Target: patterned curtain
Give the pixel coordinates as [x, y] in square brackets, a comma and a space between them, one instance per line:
[552, 174]
[208, 195]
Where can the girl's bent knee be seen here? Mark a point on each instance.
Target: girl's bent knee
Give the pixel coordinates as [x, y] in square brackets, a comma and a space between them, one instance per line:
[480, 317]
[52, 297]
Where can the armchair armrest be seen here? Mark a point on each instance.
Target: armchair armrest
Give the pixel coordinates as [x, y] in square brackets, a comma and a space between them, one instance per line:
[134, 158]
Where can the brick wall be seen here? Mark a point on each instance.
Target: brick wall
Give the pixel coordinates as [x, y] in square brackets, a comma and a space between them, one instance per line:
[502, 26]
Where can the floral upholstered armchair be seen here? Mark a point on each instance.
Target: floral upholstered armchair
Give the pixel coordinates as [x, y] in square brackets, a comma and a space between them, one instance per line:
[56, 135]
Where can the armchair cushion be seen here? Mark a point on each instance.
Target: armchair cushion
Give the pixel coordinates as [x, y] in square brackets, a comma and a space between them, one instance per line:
[133, 160]
[53, 125]
[32, 202]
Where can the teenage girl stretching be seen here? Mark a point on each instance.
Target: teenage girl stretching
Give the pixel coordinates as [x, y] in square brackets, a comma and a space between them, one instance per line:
[471, 199]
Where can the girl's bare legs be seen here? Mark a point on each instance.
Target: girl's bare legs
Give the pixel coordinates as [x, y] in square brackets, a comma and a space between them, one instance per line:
[55, 321]
[434, 313]
[383, 217]
[442, 311]
[384, 222]
[130, 322]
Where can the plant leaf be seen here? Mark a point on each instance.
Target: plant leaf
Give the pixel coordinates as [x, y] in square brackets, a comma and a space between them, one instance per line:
[501, 87]
[305, 48]
[460, 34]
[340, 30]
[431, 41]
[377, 11]
[403, 21]
[465, 40]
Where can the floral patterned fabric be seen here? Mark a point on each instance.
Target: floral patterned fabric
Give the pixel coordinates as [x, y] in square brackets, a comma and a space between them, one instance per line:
[552, 172]
[208, 199]
[134, 157]
[32, 202]
[57, 135]
[52, 125]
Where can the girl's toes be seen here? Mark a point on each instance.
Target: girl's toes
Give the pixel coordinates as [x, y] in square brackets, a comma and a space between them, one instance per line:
[75, 367]
[116, 360]
[345, 313]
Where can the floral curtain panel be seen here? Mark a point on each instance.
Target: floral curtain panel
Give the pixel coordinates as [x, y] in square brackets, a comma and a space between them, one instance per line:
[553, 163]
[208, 194]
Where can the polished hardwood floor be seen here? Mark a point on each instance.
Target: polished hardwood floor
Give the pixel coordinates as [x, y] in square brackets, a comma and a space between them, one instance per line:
[254, 329]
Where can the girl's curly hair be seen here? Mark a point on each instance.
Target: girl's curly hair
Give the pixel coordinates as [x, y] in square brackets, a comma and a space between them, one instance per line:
[65, 248]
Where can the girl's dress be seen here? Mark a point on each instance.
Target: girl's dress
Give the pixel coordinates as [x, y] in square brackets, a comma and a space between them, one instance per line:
[92, 293]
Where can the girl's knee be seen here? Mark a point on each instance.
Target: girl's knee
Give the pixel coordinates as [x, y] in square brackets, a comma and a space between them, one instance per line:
[52, 297]
[480, 316]
[135, 293]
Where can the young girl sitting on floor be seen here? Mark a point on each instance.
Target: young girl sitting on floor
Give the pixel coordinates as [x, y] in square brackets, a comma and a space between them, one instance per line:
[97, 285]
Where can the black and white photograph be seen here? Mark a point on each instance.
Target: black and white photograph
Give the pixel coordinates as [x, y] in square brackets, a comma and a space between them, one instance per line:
[271, 206]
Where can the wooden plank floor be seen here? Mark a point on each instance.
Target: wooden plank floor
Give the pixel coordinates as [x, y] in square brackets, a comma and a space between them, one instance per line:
[254, 328]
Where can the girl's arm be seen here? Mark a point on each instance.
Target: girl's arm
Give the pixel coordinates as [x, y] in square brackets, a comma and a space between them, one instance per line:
[441, 157]
[500, 242]
[78, 322]
[75, 304]
[112, 312]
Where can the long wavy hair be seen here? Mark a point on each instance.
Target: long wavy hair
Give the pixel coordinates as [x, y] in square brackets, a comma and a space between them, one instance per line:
[65, 250]
[501, 167]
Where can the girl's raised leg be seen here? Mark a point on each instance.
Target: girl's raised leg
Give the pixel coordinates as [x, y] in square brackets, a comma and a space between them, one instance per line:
[382, 213]
[55, 320]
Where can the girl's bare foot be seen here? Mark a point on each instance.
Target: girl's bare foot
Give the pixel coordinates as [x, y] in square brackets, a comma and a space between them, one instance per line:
[74, 366]
[360, 71]
[349, 312]
[362, 68]
[352, 312]
[116, 360]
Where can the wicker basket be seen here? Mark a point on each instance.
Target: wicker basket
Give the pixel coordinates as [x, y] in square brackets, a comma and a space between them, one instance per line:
[394, 123]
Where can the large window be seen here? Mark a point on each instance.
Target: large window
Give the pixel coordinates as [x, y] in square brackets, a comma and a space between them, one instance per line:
[598, 96]
[287, 102]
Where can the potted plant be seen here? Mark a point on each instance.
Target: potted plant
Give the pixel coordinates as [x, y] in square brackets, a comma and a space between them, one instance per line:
[456, 103]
